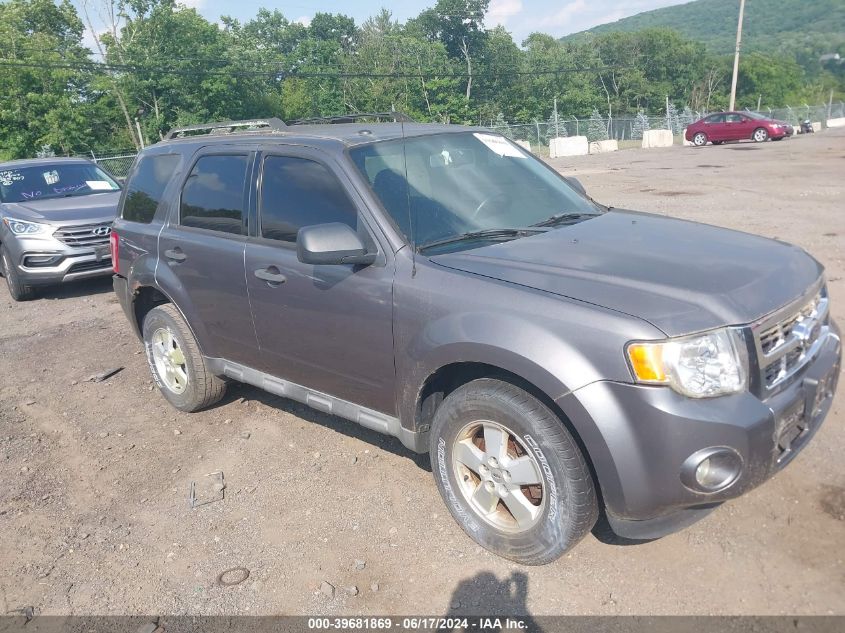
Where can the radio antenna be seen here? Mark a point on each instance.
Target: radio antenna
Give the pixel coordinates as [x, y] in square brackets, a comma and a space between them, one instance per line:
[411, 230]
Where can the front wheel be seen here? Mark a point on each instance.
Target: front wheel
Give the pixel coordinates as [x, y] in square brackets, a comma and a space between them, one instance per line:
[760, 135]
[700, 139]
[176, 363]
[17, 289]
[510, 472]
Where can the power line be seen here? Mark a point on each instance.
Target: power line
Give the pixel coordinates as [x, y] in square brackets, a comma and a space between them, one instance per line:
[294, 73]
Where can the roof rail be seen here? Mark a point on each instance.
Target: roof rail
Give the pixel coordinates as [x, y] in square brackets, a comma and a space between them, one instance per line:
[225, 127]
[396, 117]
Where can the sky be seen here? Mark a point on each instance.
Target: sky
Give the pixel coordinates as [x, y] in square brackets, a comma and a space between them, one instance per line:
[520, 17]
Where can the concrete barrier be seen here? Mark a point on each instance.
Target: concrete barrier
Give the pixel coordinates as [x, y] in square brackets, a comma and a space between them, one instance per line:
[840, 122]
[684, 138]
[658, 138]
[569, 146]
[524, 144]
[602, 147]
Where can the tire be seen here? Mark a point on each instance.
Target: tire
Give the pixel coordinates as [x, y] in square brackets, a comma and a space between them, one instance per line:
[17, 289]
[760, 135]
[175, 361]
[699, 139]
[555, 513]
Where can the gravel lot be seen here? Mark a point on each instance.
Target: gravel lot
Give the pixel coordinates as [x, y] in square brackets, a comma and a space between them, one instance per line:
[94, 513]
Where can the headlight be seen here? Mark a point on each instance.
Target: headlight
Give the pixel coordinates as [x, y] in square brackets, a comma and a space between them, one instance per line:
[698, 366]
[21, 227]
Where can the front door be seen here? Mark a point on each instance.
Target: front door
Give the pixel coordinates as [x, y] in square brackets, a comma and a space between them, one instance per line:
[329, 327]
[202, 247]
[735, 127]
[715, 127]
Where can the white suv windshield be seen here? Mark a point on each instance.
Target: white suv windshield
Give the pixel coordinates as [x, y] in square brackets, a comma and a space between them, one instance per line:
[57, 180]
[459, 183]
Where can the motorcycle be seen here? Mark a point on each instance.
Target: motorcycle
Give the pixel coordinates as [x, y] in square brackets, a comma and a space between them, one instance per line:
[806, 127]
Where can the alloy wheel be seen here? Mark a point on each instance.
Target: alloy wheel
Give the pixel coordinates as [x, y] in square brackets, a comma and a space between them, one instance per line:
[169, 360]
[498, 476]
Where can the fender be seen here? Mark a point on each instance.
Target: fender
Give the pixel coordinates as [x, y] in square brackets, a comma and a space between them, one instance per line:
[169, 285]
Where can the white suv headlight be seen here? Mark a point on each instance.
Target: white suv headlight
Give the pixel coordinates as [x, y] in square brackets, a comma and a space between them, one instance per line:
[699, 366]
[22, 227]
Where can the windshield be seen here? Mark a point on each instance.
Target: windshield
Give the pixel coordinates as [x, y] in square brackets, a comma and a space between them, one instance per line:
[468, 182]
[57, 180]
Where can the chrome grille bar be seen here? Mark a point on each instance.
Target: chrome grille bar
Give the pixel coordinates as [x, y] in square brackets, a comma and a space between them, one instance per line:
[84, 236]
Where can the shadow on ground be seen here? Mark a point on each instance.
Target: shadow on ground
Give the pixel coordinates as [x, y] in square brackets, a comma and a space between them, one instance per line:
[237, 391]
[485, 595]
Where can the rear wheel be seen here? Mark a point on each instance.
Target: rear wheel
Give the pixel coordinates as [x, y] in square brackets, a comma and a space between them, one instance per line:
[510, 473]
[760, 135]
[176, 363]
[699, 139]
[17, 289]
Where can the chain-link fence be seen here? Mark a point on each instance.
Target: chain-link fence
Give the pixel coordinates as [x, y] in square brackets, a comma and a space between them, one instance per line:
[117, 164]
[631, 128]
[539, 133]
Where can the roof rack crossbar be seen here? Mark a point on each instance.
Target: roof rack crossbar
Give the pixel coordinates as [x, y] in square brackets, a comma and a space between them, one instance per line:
[272, 123]
[351, 118]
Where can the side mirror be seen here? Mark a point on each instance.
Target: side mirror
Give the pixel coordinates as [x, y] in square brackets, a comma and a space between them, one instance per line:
[333, 243]
[576, 184]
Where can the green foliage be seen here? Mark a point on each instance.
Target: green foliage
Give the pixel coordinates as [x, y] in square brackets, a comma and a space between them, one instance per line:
[166, 65]
[597, 127]
[768, 24]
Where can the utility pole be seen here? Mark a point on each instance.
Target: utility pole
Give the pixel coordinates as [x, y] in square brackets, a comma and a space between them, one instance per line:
[736, 54]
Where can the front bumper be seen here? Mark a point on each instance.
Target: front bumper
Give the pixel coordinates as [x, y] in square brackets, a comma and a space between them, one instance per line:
[643, 435]
[45, 261]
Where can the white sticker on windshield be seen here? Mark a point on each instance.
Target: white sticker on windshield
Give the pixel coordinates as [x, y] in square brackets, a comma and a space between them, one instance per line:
[99, 185]
[51, 177]
[499, 144]
[9, 176]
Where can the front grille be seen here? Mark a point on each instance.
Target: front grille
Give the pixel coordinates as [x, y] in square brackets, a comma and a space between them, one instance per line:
[84, 236]
[787, 341]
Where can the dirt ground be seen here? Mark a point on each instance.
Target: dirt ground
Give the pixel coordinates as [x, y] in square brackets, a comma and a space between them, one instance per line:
[94, 512]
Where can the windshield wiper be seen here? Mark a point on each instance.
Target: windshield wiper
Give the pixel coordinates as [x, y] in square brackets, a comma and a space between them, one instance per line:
[568, 217]
[482, 234]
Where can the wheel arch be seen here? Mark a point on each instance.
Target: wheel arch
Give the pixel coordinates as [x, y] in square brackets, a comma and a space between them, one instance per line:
[147, 297]
[449, 377]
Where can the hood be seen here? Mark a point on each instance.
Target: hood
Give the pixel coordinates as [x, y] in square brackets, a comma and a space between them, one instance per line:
[90, 209]
[680, 276]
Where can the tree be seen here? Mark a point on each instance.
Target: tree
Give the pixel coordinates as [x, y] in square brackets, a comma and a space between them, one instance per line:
[641, 124]
[672, 121]
[46, 80]
[597, 128]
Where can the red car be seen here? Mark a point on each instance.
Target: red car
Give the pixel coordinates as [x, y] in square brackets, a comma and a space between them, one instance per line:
[736, 126]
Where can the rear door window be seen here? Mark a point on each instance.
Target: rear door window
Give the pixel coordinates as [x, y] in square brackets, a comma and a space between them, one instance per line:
[146, 186]
[214, 194]
[297, 192]
[715, 118]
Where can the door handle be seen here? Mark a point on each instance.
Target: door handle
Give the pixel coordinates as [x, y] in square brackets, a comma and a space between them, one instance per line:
[175, 254]
[271, 275]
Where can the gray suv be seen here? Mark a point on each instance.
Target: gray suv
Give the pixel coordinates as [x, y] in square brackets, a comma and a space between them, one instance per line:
[56, 218]
[556, 358]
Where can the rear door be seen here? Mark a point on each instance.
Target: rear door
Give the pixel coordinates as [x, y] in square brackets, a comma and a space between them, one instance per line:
[328, 327]
[201, 253]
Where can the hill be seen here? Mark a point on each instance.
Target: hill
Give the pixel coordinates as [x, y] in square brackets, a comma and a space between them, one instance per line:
[769, 25]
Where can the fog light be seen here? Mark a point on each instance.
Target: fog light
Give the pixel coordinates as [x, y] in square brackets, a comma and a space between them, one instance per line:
[711, 469]
[34, 261]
